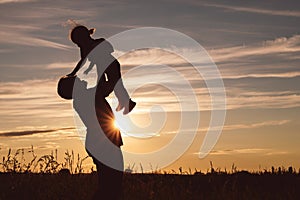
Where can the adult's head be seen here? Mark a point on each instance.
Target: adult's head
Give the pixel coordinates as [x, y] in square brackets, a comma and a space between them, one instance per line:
[80, 35]
[66, 85]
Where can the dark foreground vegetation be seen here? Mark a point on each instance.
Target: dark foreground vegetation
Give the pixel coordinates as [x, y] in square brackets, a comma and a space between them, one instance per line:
[45, 178]
[240, 185]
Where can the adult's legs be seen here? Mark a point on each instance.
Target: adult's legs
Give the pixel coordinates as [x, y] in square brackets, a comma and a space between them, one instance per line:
[110, 181]
[110, 178]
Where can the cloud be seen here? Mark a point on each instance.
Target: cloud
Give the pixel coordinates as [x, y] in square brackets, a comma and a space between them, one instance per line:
[238, 151]
[31, 132]
[278, 45]
[286, 13]
[259, 151]
[36, 101]
[38, 24]
[238, 95]
[255, 125]
[260, 100]
[11, 37]
[60, 65]
[269, 59]
[247, 86]
[15, 1]
[230, 127]
[263, 75]
[276, 58]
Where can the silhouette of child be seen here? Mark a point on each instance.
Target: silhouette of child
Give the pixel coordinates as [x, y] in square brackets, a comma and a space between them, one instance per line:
[98, 51]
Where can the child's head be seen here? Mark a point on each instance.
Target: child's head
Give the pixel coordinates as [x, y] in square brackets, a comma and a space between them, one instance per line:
[80, 35]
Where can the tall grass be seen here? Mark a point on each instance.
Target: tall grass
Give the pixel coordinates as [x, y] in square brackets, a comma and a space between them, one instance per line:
[15, 162]
[74, 164]
[44, 177]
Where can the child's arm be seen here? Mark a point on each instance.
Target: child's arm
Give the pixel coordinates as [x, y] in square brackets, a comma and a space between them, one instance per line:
[78, 66]
[89, 68]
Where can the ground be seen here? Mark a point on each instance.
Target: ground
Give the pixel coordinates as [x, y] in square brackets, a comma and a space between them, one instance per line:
[217, 185]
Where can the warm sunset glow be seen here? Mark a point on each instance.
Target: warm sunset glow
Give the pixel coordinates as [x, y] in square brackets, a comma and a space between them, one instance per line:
[115, 124]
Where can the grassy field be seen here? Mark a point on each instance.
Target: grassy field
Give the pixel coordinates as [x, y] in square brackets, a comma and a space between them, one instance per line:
[45, 178]
[240, 185]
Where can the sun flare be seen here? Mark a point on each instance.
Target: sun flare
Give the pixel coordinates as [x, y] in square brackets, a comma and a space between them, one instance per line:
[115, 124]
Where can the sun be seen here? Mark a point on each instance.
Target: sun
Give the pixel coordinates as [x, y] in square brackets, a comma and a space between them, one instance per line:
[115, 124]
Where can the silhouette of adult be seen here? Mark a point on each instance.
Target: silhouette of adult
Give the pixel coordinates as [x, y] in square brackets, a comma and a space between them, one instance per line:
[102, 142]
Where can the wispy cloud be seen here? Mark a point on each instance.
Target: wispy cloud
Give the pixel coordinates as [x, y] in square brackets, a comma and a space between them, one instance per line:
[272, 58]
[31, 132]
[263, 75]
[36, 101]
[287, 13]
[27, 40]
[15, 1]
[258, 151]
[236, 99]
[260, 100]
[269, 59]
[60, 65]
[239, 94]
[255, 125]
[238, 151]
[278, 45]
[230, 127]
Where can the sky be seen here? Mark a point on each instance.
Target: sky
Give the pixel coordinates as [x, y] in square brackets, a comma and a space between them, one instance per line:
[254, 44]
